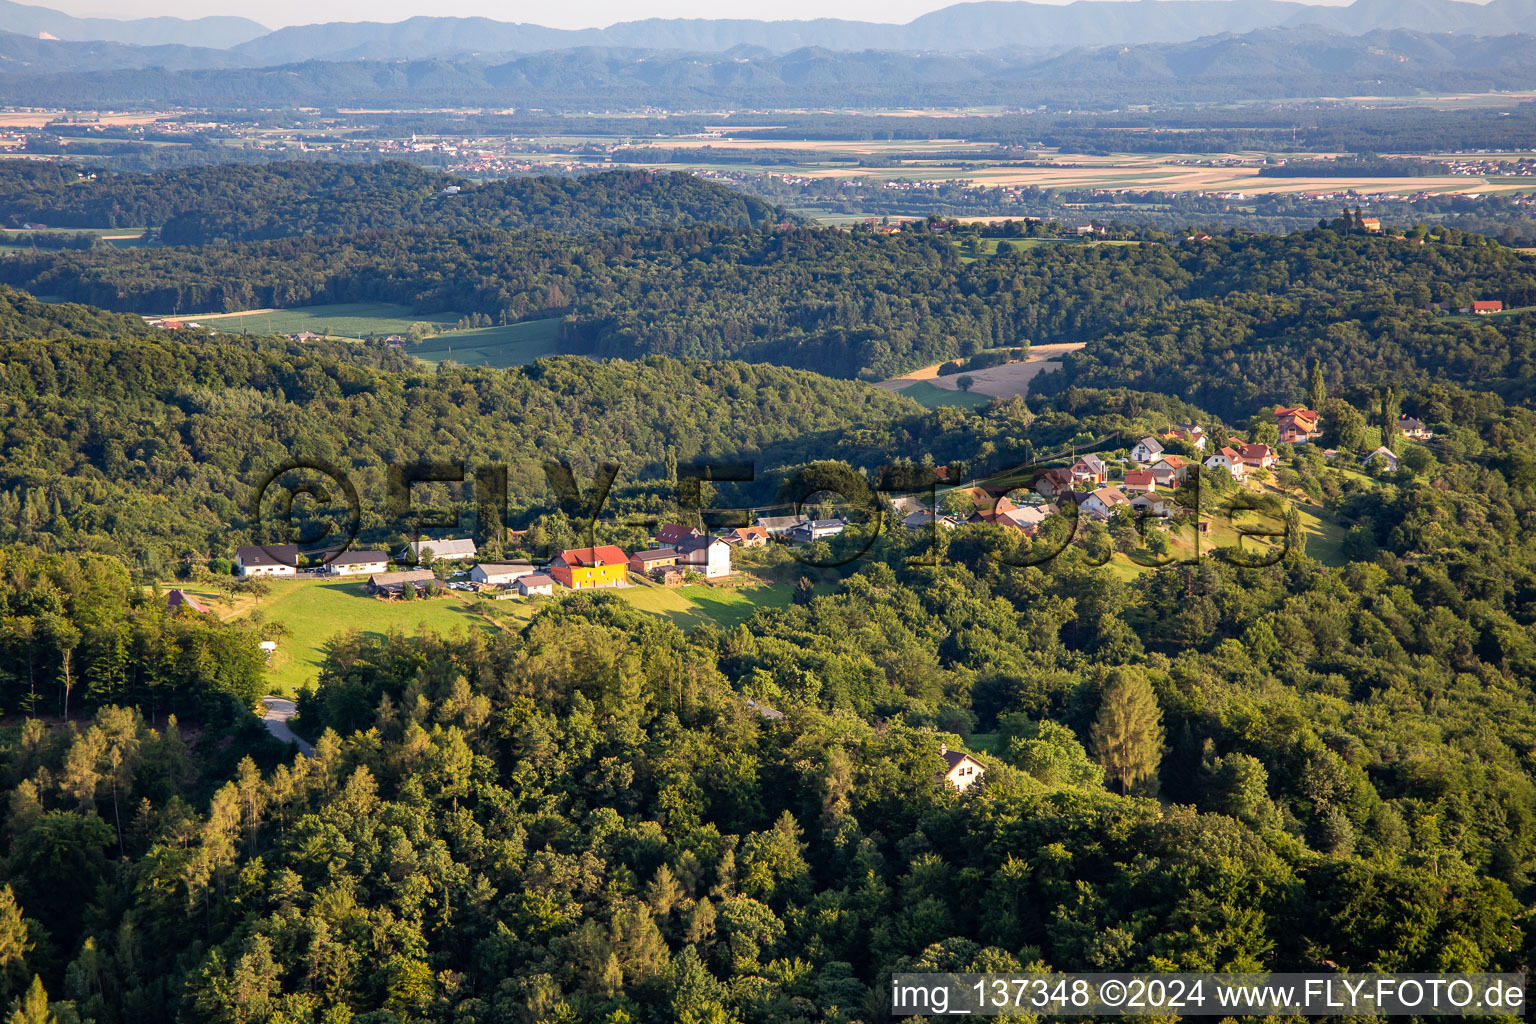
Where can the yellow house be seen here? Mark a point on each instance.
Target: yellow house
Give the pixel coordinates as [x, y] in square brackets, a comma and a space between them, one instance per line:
[582, 568]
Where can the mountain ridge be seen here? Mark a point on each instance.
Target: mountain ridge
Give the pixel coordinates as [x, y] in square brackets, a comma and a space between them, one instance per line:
[1266, 64]
[959, 28]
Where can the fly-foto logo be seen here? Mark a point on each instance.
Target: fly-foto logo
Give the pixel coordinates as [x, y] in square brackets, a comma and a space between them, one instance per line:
[838, 512]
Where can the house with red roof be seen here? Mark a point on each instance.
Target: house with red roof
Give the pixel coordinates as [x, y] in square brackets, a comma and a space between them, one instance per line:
[1139, 481]
[584, 568]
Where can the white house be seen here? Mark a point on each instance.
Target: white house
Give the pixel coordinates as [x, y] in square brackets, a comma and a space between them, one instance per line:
[1230, 460]
[357, 563]
[535, 585]
[817, 529]
[446, 550]
[709, 555]
[1146, 450]
[1153, 503]
[499, 574]
[268, 560]
[961, 769]
[1383, 457]
[1101, 504]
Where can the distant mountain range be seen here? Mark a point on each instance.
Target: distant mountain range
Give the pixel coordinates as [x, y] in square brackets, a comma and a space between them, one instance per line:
[43, 23]
[961, 28]
[1265, 64]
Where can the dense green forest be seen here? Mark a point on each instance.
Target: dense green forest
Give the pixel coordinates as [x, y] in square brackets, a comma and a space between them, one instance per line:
[870, 305]
[236, 202]
[586, 821]
[148, 448]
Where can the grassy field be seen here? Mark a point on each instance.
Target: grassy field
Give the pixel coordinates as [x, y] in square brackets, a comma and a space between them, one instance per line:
[315, 611]
[931, 396]
[500, 347]
[341, 320]
[693, 606]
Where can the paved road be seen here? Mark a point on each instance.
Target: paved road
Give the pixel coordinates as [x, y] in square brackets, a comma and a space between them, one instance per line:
[275, 712]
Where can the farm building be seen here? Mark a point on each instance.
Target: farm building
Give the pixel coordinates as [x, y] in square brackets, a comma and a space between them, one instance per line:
[499, 574]
[392, 584]
[445, 550]
[357, 563]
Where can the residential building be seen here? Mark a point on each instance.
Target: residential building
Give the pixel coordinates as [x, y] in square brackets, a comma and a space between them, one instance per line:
[765, 712]
[583, 568]
[267, 560]
[499, 574]
[1297, 426]
[1026, 519]
[1170, 471]
[708, 555]
[1382, 458]
[1139, 481]
[1146, 450]
[535, 585]
[1151, 502]
[179, 600]
[747, 537]
[655, 558]
[446, 550]
[357, 563]
[1102, 503]
[391, 584]
[1372, 225]
[1229, 459]
[1258, 456]
[1410, 427]
[961, 770]
[817, 529]
[1482, 307]
[1053, 482]
[1190, 433]
[672, 533]
[925, 518]
[1090, 469]
[780, 526]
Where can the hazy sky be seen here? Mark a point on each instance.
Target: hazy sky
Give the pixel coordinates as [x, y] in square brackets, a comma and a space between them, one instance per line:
[569, 14]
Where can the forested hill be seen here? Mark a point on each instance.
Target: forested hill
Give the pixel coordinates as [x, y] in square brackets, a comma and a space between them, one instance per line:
[1260, 310]
[228, 202]
[1228, 323]
[23, 317]
[148, 447]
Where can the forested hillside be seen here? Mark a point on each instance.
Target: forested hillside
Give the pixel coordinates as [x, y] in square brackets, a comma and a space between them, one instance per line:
[521, 826]
[1223, 323]
[233, 202]
[148, 448]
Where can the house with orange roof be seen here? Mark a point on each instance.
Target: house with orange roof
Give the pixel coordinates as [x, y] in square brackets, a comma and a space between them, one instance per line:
[584, 568]
[1258, 456]
[1297, 426]
[1170, 471]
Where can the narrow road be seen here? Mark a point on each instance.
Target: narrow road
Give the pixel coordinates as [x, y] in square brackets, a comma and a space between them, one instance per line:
[275, 712]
